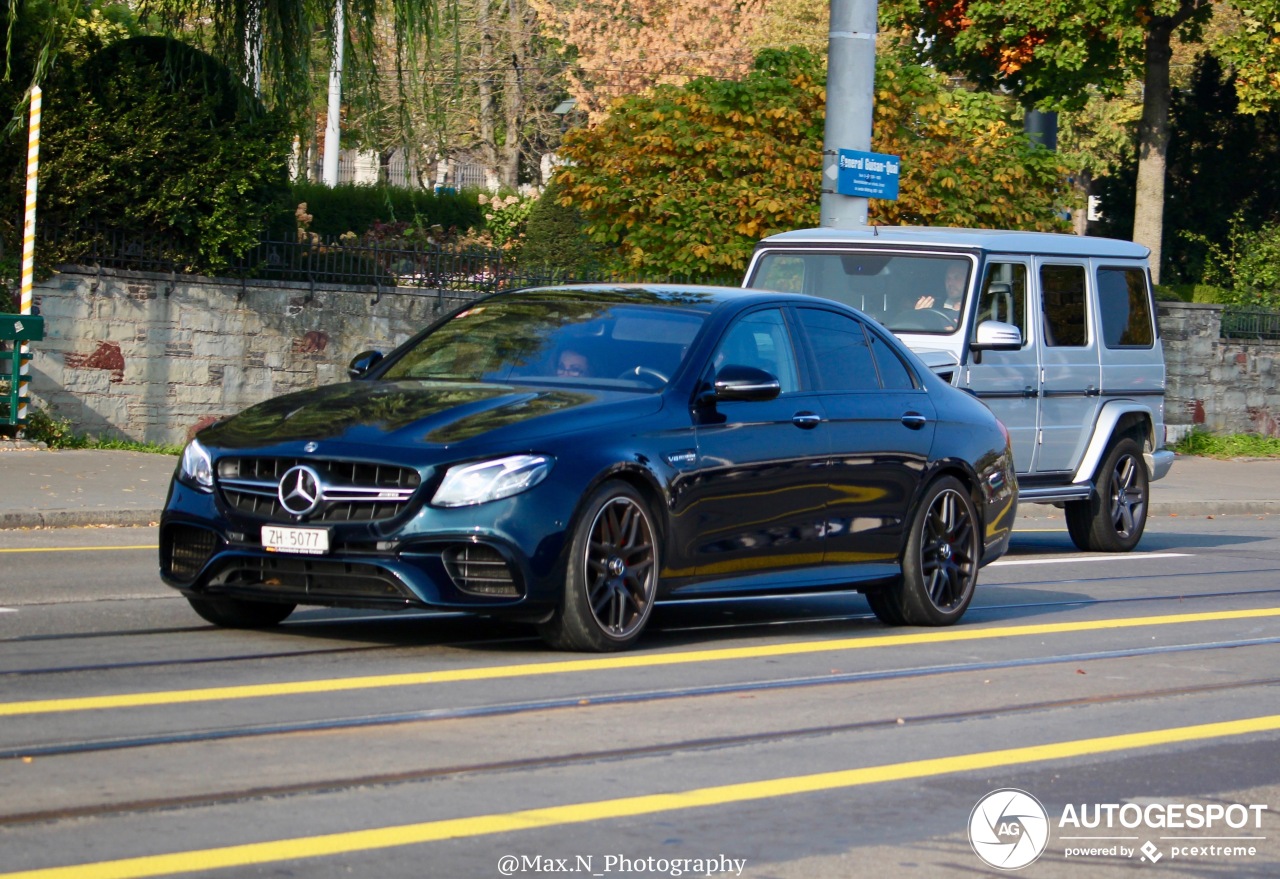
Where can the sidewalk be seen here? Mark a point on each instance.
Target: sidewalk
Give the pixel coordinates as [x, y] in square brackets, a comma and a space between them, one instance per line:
[65, 488]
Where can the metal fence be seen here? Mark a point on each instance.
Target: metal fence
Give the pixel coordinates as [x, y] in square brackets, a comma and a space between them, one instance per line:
[1250, 323]
[378, 266]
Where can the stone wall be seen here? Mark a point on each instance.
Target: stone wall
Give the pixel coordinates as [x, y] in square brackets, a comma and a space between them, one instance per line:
[1222, 385]
[154, 357]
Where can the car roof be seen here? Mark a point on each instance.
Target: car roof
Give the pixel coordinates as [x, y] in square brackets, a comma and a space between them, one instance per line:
[692, 296]
[992, 240]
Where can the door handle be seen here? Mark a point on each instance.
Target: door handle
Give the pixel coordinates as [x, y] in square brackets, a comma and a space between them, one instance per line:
[807, 420]
[914, 420]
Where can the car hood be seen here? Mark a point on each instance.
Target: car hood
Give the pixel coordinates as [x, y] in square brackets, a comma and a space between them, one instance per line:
[426, 414]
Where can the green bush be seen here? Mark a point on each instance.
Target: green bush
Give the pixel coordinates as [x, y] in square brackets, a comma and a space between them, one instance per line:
[337, 210]
[1247, 268]
[555, 240]
[157, 139]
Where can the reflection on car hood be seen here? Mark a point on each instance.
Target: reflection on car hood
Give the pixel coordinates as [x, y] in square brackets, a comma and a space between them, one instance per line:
[417, 413]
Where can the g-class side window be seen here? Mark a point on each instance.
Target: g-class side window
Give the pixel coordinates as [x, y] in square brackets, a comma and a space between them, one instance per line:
[1125, 306]
[1004, 295]
[1062, 294]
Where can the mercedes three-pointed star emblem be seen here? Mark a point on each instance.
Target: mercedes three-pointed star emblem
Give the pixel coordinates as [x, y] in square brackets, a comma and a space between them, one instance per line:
[300, 490]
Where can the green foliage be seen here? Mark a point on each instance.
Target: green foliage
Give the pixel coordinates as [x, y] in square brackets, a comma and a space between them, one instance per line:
[505, 217]
[152, 137]
[58, 433]
[1247, 266]
[686, 180]
[555, 241]
[358, 209]
[1253, 50]
[1223, 171]
[1239, 445]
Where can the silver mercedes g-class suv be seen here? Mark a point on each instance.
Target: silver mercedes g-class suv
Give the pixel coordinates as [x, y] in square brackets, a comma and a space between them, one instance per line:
[1057, 334]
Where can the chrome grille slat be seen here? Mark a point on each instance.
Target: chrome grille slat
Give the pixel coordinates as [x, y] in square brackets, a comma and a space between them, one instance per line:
[353, 491]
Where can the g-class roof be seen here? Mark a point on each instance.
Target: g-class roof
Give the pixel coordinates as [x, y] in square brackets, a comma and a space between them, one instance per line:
[991, 240]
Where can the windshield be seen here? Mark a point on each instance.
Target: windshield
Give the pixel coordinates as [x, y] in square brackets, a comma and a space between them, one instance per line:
[556, 337]
[908, 293]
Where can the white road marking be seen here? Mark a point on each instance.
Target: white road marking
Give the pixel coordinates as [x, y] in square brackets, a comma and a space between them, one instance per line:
[1066, 560]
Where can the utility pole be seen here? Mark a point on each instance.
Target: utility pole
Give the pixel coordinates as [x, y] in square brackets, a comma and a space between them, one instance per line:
[851, 74]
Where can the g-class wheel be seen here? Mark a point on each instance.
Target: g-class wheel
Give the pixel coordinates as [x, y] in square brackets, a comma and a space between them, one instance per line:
[1113, 518]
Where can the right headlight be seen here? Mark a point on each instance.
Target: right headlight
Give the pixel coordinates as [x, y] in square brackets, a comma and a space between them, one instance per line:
[479, 483]
[197, 467]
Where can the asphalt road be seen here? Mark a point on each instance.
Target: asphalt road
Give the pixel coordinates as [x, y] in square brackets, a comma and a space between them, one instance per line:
[762, 738]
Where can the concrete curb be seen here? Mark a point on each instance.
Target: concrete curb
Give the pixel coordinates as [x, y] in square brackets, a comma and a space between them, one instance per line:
[79, 519]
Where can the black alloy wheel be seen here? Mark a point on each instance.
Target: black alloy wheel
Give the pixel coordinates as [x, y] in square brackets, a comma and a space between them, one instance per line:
[940, 563]
[612, 575]
[1113, 519]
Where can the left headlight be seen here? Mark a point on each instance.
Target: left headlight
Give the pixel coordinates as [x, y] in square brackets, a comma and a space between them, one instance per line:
[485, 481]
[197, 467]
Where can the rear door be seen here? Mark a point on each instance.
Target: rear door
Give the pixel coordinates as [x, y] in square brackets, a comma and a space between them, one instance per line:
[881, 427]
[1071, 373]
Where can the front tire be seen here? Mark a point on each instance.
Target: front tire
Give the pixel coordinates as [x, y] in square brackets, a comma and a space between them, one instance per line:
[940, 563]
[237, 613]
[1113, 518]
[611, 578]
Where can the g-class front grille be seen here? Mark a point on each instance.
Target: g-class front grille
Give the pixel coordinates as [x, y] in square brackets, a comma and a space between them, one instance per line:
[345, 491]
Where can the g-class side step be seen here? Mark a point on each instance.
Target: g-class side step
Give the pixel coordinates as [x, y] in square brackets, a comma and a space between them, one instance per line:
[1053, 493]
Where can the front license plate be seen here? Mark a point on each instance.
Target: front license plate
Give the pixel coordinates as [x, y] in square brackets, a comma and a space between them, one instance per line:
[305, 541]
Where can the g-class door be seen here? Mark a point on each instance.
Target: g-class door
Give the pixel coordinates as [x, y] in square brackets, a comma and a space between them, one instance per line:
[1071, 373]
[1008, 381]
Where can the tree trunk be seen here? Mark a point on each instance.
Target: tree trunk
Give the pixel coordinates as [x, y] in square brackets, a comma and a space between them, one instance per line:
[488, 108]
[1153, 142]
[513, 92]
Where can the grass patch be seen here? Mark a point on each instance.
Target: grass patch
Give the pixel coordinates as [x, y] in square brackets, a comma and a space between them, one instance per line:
[1236, 445]
[57, 434]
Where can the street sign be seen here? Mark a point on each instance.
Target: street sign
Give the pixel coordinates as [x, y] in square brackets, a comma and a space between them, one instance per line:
[867, 175]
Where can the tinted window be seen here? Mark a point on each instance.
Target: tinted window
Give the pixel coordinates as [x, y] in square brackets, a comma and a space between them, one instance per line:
[1063, 296]
[840, 347]
[1125, 308]
[760, 339]
[894, 374]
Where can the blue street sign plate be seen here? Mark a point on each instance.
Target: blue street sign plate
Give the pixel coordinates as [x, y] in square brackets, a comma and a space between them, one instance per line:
[868, 175]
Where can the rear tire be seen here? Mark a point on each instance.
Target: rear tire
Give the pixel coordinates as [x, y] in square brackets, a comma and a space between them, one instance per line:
[611, 577]
[1113, 518]
[940, 563]
[237, 613]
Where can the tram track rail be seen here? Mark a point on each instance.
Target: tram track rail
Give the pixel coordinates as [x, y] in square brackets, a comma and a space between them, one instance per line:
[667, 748]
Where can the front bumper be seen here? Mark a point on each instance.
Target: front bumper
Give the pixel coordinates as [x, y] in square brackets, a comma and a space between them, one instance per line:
[471, 559]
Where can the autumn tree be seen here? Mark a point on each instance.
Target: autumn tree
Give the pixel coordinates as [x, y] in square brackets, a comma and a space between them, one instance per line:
[1052, 54]
[622, 47]
[686, 179]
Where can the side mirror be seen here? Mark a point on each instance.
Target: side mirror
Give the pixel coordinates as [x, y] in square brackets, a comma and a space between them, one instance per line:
[746, 383]
[994, 335]
[363, 362]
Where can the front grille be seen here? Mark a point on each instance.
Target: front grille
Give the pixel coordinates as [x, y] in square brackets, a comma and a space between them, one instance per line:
[185, 550]
[351, 491]
[315, 578]
[479, 569]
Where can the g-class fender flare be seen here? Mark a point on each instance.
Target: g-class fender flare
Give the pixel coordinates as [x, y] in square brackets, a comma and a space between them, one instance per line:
[1127, 415]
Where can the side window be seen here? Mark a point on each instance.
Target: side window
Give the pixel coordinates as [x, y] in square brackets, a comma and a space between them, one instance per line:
[785, 273]
[1004, 295]
[894, 374]
[760, 339]
[1062, 294]
[841, 351]
[1125, 307]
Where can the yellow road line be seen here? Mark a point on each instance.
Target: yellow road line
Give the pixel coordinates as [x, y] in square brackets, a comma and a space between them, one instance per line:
[74, 548]
[627, 807]
[609, 663]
